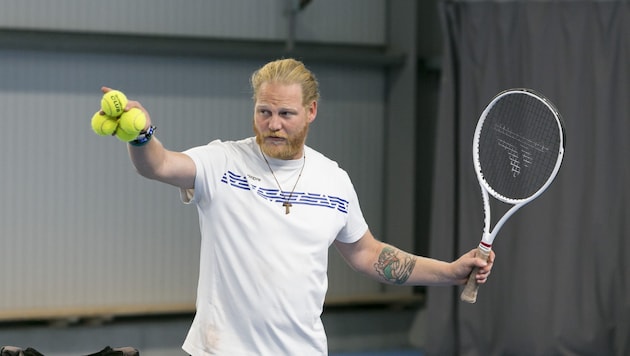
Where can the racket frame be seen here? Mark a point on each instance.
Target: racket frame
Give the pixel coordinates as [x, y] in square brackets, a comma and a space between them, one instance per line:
[485, 245]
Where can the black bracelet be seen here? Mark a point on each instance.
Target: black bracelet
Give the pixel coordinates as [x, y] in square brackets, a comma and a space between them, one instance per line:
[143, 138]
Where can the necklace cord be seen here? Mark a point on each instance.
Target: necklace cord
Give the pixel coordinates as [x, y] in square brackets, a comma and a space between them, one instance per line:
[287, 201]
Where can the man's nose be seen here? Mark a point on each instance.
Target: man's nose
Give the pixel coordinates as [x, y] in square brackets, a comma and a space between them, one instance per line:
[275, 123]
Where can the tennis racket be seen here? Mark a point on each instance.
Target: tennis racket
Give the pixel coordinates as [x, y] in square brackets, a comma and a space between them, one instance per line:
[517, 151]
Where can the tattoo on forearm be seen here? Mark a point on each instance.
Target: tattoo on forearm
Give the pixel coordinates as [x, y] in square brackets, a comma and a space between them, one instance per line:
[395, 266]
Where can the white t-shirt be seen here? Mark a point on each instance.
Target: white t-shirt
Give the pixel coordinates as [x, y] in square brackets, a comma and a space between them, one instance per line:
[263, 273]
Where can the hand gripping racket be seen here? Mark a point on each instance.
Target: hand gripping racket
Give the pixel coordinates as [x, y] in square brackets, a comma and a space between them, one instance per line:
[517, 151]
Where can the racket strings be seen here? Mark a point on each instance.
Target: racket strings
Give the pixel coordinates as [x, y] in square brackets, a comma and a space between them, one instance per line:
[519, 144]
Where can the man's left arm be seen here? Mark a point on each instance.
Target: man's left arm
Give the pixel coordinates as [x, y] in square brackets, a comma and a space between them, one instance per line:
[388, 264]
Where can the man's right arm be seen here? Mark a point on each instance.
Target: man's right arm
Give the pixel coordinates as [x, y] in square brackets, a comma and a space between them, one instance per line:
[153, 161]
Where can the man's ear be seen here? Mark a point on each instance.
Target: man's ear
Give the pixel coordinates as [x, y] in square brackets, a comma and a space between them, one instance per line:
[311, 111]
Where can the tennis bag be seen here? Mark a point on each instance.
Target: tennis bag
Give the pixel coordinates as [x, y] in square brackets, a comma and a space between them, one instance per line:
[16, 351]
[120, 351]
[107, 351]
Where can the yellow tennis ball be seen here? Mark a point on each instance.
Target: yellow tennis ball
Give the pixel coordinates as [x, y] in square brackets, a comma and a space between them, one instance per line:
[113, 103]
[124, 136]
[132, 121]
[104, 125]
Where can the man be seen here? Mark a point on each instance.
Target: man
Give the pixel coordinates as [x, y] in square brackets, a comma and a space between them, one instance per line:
[269, 208]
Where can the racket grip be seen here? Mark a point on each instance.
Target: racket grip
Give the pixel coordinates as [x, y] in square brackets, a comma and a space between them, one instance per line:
[469, 294]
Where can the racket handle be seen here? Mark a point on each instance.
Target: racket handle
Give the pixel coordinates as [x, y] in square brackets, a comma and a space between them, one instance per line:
[469, 294]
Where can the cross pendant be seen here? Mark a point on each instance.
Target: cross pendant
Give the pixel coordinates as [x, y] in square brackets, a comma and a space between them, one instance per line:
[286, 205]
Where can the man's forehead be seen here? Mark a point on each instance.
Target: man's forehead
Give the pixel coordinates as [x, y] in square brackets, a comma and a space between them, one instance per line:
[278, 93]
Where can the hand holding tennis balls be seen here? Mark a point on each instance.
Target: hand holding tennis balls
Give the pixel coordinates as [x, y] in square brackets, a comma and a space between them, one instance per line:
[119, 116]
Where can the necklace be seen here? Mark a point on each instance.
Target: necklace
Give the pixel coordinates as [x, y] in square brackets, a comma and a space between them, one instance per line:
[287, 201]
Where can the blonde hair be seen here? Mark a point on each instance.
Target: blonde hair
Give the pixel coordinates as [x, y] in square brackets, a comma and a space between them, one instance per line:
[287, 71]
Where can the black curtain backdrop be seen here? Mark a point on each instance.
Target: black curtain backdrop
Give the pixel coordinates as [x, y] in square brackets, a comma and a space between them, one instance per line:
[561, 282]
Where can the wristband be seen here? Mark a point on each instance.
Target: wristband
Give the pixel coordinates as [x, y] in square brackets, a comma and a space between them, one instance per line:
[143, 138]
